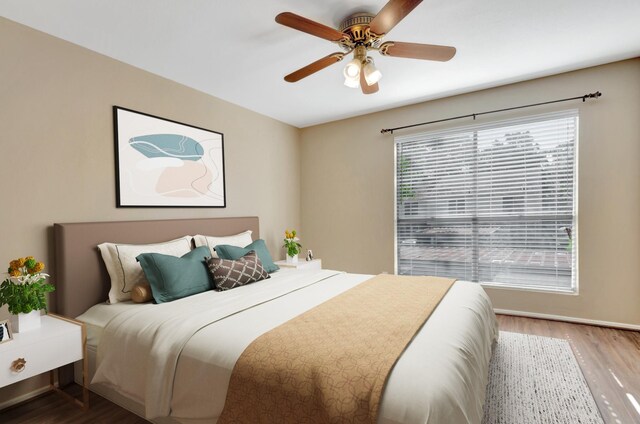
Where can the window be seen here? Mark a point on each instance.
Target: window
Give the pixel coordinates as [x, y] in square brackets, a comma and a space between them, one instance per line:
[490, 203]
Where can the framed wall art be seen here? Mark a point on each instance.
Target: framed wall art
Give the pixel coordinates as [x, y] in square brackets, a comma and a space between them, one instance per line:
[163, 163]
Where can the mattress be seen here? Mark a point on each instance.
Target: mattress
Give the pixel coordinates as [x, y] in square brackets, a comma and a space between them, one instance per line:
[441, 377]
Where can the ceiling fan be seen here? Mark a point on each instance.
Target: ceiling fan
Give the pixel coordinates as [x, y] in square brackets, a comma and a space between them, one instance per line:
[361, 33]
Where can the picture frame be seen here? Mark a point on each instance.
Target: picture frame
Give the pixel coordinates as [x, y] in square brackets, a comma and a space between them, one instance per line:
[162, 163]
[6, 333]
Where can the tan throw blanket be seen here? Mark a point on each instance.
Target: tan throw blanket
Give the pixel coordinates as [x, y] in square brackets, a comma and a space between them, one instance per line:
[330, 364]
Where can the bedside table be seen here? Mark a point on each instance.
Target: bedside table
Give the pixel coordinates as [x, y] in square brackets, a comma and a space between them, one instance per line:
[302, 264]
[59, 341]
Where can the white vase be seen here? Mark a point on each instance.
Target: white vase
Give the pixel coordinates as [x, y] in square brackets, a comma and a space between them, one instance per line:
[25, 322]
[292, 259]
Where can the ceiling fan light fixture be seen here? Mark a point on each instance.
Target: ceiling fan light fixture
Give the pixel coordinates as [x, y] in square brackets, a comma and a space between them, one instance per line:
[352, 82]
[352, 70]
[371, 74]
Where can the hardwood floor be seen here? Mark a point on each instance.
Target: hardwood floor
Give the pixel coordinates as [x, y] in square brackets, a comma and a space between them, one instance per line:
[54, 409]
[609, 358]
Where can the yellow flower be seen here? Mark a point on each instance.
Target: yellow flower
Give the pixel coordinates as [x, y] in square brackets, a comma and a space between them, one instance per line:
[16, 266]
[289, 234]
[39, 267]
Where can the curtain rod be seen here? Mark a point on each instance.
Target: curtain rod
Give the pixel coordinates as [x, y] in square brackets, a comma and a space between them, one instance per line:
[473, 115]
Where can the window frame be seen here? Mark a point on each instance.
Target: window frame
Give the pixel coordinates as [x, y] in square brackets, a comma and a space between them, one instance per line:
[574, 290]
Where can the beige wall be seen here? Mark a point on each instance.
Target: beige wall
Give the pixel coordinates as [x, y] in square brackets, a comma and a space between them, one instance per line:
[348, 187]
[57, 155]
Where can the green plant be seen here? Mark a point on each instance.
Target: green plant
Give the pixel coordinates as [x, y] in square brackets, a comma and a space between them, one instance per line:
[26, 289]
[404, 190]
[291, 243]
[569, 232]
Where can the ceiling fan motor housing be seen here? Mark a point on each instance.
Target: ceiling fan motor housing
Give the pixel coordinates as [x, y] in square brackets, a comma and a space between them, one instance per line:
[356, 27]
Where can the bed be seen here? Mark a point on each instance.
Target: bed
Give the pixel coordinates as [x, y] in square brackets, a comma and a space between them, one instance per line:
[440, 377]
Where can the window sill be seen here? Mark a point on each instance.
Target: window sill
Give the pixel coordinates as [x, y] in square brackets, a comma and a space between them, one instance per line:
[571, 292]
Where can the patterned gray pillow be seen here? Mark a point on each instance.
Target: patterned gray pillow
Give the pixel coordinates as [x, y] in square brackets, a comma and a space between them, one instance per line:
[228, 274]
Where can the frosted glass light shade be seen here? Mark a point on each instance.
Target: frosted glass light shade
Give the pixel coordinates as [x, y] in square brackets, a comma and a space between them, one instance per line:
[371, 74]
[352, 82]
[352, 70]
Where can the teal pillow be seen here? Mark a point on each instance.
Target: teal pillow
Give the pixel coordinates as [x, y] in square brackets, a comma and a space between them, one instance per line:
[234, 253]
[173, 278]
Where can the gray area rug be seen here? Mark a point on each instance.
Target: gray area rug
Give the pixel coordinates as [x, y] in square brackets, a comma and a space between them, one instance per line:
[537, 380]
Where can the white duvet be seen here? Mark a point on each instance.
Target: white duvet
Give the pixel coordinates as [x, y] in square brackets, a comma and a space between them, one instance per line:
[176, 358]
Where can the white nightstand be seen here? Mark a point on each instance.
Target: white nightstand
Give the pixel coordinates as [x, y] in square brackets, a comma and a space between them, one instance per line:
[59, 341]
[302, 264]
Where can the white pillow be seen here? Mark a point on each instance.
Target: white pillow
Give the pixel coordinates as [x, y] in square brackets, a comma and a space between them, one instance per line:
[126, 272]
[239, 240]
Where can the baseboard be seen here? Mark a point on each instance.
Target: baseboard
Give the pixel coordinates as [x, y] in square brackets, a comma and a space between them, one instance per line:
[569, 319]
[23, 398]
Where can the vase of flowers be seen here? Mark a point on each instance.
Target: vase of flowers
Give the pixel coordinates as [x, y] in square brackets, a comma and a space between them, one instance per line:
[292, 246]
[25, 293]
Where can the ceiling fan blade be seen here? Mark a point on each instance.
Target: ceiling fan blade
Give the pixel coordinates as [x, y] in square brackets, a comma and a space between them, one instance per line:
[392, 13]
[417, 51]
[310, 27]
[367, 89]
[314, 67]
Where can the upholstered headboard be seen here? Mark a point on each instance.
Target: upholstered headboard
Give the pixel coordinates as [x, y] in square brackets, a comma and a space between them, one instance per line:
[81, 278]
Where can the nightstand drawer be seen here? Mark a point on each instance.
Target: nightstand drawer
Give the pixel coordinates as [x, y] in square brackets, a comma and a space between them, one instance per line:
[41, 354]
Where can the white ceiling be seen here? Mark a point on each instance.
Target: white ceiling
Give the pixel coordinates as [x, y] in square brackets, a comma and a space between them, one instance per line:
[234, 50]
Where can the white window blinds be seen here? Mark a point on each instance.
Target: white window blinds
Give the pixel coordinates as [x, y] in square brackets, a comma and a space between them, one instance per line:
[490, 203]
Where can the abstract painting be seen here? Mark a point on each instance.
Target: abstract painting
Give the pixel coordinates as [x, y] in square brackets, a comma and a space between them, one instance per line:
[163, 163]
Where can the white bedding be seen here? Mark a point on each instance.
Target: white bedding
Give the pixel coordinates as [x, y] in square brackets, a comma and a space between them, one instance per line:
[169, 358]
